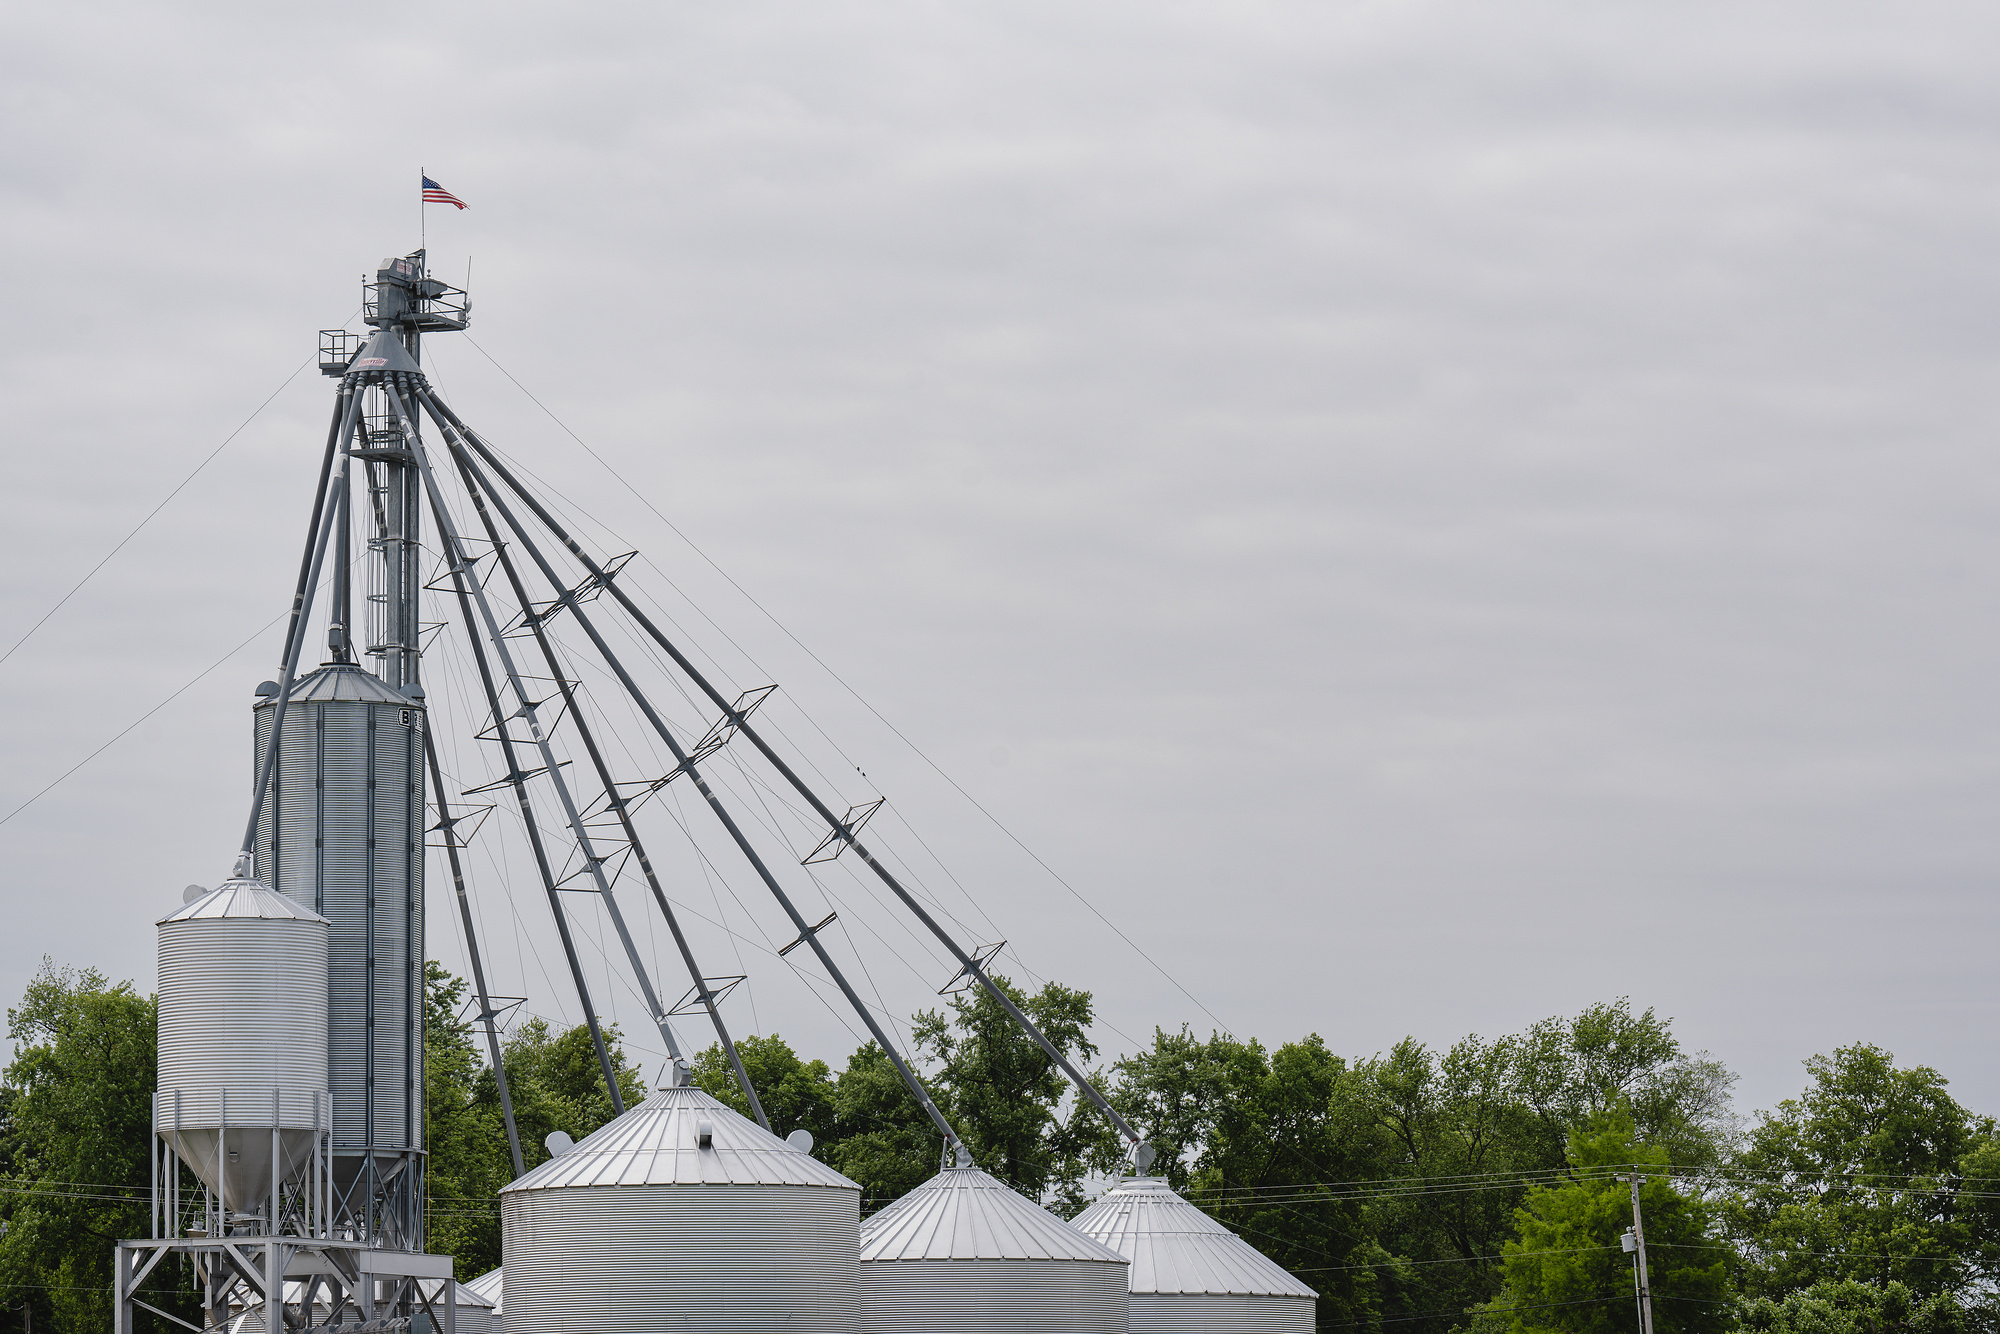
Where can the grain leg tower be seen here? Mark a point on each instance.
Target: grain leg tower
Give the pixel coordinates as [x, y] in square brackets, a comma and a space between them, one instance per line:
[342, 825]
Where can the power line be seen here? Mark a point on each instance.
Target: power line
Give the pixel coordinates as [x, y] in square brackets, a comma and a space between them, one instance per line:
[144, 716]
[915, 749]
[150, 514]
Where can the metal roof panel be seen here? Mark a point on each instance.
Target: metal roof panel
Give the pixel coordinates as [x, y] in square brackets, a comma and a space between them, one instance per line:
[653, 1144]
[1175, 1247]
[242, 898]
[963, 1213]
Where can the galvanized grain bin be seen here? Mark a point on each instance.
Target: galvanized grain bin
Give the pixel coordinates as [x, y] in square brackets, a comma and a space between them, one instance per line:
[486, 1289]
[964, 1253]
[680, 1215]
[242, 1032]
[343, 834]
[478, 1312]
[1190, 1274]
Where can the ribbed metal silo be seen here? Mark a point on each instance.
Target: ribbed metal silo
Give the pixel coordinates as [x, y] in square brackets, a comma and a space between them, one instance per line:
[964, 1253]
[482, 1293]
[680, 1215]
[343, 835]
[1190, 1274]
[477, 1312]
[242, 1017]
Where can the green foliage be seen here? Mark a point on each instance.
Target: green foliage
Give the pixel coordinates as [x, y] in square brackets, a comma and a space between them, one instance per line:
[1177, 1095]
[77, 1133]
[1227, 1118]
[882, 1140]
[1567, 1259]
[1847, 1306]
[463, 1173]
[555, 1083]
[797, 1095]
[1271, 1166]
[999, 1089]
[1864, 1178]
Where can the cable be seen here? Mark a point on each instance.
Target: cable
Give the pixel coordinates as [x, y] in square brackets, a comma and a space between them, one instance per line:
[1014, 838]
[208, 459]
[144, 716]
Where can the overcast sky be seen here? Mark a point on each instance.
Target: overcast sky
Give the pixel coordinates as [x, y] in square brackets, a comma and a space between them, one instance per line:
[1427, 515]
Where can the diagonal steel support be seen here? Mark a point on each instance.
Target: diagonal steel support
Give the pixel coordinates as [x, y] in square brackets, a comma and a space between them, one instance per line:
[448, 532]
[741, 721]
[459, 438]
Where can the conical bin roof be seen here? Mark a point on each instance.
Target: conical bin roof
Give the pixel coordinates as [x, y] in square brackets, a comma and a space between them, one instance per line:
[241, 898]
[486, 1290]
[341, 681]
[963, 1213]
[1176, 1248]
[655, 1144]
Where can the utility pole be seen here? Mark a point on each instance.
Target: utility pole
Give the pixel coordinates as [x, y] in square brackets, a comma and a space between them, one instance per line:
[1639, 1244]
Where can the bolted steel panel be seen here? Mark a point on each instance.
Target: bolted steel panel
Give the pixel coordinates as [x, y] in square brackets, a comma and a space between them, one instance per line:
[717, 1258]
[347, 841]
[1220, 1313]
[1001, 1296]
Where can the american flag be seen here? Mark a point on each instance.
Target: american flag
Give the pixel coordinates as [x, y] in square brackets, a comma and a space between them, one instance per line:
[437, 194]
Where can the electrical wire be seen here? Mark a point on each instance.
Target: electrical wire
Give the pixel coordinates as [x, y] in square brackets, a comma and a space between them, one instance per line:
[128, 728]
[915, 749]
[153, 512]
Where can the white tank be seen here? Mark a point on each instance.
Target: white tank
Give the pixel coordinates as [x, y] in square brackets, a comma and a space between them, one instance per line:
[1190, 1274]
[680, 1215]
[964, 1253]
[242, 1034]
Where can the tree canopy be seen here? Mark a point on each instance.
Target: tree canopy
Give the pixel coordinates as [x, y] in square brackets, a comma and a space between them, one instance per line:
[1479, 1187]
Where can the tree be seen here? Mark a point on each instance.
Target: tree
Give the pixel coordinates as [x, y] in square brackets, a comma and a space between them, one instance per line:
[1573, 1071]
[1864, 1177]
[1845, 1306]
[467, 1160]
[556, 1083]
[1487, 1109]
[999, 1089]
[78, 1131]
[1175, 1095]
[1276, 1166]
[1566, 1271]
[882, 1139]
[797, 1095]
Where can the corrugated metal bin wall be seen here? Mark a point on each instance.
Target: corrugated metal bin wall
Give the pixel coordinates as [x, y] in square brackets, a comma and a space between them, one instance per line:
[1220, 1313]
[347, 842]
[1001, 1296]
[756, 1259]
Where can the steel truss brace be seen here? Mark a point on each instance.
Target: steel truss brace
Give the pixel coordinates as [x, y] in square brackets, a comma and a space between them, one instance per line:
[633, 846]
[517, 779]
[833, 822]
[461, 441]
[543, 612]
[448, 534]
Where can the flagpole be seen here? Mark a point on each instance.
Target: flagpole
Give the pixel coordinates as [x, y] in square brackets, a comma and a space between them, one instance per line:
[422, 217]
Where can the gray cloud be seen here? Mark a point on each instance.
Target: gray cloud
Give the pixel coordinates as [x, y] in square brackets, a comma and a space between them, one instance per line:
[1451, 512]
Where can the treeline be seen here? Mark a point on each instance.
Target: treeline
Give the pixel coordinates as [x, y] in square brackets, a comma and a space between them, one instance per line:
[1480, 1188]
